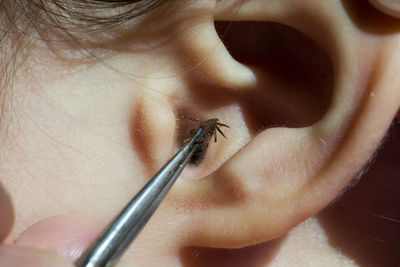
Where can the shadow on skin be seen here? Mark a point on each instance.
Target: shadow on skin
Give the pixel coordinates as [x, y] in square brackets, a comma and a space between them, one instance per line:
[295, 76]
[252, 256]
[365, 223]
[370, 20]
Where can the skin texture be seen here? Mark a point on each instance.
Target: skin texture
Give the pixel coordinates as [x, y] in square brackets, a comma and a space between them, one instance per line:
[307, 108]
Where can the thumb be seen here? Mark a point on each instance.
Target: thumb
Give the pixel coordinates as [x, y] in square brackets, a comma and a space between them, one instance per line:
[6, 214]
[389, 7]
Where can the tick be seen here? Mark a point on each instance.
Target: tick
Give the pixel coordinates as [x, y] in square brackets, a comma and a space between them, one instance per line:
[214, 127]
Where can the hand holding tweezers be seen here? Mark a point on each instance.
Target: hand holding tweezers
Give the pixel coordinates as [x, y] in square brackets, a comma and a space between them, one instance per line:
[109, 246]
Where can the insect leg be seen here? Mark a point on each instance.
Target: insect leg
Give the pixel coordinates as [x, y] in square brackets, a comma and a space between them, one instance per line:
[188, 118]
[219, 130]
[222, 124]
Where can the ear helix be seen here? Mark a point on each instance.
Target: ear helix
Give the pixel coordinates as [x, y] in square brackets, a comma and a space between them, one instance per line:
[208, 55]
[389, 7]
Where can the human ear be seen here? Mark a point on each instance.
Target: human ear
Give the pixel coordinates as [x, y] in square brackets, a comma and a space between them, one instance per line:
[305, 115]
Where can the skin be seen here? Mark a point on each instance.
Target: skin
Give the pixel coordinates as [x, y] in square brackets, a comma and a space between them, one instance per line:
[83, 138]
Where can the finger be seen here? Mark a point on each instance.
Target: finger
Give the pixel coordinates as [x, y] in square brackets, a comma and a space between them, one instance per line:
[6, 214]
[68, 235]
[389, 7]
[16, 256]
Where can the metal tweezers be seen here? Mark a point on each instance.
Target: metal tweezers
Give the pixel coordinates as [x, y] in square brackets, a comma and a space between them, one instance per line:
[115, 239]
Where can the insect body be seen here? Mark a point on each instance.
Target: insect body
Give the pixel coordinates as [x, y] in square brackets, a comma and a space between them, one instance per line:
[212, 126]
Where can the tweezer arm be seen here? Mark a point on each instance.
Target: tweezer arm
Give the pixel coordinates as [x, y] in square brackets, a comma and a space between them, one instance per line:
[107, 249]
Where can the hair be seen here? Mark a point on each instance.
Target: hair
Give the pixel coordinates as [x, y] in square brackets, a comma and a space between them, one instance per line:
[25, 21]
[67, 14]
[33, 19]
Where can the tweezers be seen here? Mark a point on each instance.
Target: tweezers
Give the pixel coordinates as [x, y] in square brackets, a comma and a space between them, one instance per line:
[115, 239]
